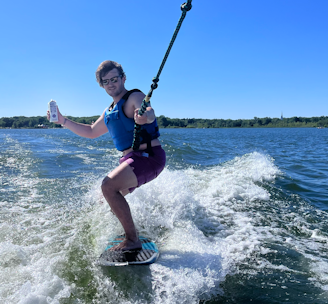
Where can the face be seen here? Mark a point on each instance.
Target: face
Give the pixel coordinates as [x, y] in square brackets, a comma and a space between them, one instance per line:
[114, 83]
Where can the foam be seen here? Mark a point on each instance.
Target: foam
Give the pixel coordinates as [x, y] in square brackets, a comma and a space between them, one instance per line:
[197, 250]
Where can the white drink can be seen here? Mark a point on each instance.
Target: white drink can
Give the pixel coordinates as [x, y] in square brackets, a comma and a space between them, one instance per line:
[52, 106]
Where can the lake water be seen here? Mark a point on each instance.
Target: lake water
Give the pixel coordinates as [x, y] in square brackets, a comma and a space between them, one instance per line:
[239, 215]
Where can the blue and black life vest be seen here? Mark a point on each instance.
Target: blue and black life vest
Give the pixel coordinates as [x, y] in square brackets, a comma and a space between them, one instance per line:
[121, 127]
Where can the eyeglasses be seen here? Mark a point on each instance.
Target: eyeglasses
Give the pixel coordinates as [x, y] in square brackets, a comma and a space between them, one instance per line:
[112, 80]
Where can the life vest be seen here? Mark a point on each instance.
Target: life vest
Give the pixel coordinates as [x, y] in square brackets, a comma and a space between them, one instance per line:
[121, 127]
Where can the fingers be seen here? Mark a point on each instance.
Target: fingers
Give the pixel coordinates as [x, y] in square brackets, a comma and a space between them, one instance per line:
[60, 117]
[140, 120]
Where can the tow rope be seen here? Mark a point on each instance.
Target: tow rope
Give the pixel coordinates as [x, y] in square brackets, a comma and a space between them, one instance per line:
[185, 7]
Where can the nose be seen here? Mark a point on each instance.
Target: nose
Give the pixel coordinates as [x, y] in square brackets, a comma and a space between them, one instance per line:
[108, 86]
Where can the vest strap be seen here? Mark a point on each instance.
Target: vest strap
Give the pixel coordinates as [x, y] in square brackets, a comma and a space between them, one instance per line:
[128, 93]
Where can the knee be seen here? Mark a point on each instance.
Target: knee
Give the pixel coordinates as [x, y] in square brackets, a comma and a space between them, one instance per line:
[106, 184]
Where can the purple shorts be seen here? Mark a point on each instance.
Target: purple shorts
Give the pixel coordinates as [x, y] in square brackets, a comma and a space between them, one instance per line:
[145, 167]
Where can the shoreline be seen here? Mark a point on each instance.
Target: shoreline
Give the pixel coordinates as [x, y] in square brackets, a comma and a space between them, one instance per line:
[161, 127]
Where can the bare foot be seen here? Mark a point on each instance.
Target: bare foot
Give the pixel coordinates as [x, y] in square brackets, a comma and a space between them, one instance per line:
[127, 245]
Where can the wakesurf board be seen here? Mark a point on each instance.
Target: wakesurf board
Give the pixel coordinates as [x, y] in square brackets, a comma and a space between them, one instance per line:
[147, 255]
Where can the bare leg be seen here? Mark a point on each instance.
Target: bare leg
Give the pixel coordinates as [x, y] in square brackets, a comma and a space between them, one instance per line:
[113, 186]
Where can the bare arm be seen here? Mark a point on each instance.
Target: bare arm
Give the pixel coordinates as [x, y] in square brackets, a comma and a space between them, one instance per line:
[89, 131]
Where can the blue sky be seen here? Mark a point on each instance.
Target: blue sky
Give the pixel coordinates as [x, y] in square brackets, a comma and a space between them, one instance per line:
[232, 58]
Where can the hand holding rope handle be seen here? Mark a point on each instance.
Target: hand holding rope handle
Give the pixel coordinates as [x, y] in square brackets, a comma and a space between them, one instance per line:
[185, 7]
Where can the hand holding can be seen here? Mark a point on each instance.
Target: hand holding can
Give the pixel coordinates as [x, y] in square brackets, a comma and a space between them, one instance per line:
[52, 107]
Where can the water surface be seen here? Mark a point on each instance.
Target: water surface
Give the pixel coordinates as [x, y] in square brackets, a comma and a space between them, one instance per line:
[240, 215]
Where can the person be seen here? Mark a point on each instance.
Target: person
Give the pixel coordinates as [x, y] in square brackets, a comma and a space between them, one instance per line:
[135, 167]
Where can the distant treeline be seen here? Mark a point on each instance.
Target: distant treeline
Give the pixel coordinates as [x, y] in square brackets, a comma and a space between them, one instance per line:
[165, 122]
[38, 121]
[256, 122]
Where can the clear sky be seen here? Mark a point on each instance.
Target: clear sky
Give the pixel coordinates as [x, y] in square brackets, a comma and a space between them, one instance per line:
[232, 58]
